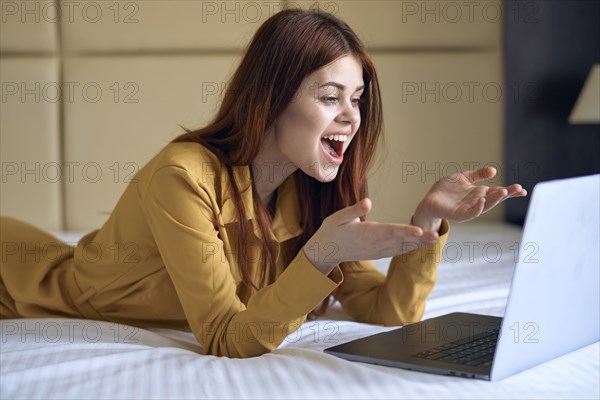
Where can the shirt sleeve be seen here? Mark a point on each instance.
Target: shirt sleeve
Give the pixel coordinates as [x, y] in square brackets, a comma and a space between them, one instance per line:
[179, 214]
[368, 295]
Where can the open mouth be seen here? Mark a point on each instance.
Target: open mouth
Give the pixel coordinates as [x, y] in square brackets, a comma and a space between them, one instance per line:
[334, 147]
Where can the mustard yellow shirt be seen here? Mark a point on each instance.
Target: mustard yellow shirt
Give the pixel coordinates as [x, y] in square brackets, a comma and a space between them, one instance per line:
[160, 261]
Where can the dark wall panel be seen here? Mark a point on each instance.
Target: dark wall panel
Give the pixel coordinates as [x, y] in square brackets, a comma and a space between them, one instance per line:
[549, 48]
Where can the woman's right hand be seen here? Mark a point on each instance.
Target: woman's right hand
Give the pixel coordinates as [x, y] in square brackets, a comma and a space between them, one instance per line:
[344, 237]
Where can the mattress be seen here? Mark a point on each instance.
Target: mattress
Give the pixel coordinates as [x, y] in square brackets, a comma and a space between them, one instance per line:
[70, 358]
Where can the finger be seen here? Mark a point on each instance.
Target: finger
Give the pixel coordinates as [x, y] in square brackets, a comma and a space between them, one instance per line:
[521, 193]
[391, 249]
[496, 194]
[410, 242]
[349, 214]
[516, 190]
[480, 174]
[471, 205]
[499, 194]
[410, 245]
[474, 194]
[430, 236]
[390, 230]
[495, 197]
[469, 211]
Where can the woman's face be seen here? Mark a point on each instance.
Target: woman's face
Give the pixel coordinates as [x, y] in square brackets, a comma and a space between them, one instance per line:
[316, 128]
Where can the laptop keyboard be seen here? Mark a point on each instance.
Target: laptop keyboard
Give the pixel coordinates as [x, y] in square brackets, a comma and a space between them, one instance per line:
[474, 351]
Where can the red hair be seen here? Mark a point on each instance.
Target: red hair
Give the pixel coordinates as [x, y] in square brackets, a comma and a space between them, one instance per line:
[288, 47]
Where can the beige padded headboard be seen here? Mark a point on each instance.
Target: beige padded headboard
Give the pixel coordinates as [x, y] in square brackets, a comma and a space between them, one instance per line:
[90, 95]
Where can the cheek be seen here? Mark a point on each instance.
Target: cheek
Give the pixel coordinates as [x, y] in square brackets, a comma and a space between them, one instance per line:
[312, 114]
[358, 121]
[303, 125]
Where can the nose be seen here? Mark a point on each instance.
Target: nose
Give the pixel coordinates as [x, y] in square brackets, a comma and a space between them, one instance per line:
[349, 113]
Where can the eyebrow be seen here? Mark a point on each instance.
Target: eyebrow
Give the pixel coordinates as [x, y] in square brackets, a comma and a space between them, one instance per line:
[340, 86]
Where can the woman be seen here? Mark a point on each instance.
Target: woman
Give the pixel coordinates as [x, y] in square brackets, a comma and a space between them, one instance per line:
[239, 230]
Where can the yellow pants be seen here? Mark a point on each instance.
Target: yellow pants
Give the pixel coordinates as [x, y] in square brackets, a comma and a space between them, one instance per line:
[34, 272]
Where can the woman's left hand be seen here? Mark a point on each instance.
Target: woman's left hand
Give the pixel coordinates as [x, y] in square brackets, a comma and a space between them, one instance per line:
[456, 198]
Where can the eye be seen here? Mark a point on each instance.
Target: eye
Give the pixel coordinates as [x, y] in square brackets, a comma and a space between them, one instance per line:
[358, 101]
[329, 99]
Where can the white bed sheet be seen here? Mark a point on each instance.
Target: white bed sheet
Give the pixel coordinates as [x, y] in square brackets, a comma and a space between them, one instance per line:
[65, 358]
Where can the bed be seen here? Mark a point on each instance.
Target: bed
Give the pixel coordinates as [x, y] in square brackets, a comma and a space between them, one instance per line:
[69, 358]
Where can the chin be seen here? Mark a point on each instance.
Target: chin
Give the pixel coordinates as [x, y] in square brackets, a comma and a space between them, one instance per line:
[323, 172]
[327, 174]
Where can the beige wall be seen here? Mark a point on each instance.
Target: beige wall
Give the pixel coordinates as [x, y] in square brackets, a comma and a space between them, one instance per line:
[129, 72]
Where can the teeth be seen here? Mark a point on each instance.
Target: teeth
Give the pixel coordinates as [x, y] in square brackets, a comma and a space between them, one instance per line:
[339, 138]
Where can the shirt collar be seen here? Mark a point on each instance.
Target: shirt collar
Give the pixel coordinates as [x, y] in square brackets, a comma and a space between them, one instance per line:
[286, 222]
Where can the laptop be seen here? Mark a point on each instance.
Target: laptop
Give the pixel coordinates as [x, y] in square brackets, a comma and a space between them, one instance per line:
[553, 306]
